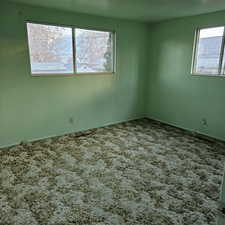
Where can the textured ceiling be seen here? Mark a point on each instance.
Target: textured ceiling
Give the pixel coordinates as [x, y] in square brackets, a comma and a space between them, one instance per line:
[142, 10]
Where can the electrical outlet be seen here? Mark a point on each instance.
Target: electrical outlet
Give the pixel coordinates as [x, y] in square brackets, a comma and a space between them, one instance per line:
[71, 120]
[204, 122]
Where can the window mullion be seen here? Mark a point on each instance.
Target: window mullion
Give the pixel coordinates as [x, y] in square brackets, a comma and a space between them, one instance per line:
[222, 66]
[74, 51]
[222, 54]
[196, 45]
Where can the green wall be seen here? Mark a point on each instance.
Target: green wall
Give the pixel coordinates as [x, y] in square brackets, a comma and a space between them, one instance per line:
[153, 79]
[175, 96]
[37, 107]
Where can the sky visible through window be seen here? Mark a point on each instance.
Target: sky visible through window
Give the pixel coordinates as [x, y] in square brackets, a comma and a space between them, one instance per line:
[211, 32]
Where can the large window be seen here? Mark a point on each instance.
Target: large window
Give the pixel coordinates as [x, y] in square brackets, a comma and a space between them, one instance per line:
[209, 52]
[66, 50]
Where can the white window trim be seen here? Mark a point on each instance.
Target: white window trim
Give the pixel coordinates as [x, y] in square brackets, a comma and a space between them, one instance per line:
[194, 55]
[75, 73]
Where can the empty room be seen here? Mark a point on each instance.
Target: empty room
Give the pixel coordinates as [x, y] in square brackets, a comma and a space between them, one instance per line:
[112, 112]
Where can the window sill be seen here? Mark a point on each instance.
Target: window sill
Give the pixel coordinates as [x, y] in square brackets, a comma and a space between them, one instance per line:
[69, 74]
[208, 75]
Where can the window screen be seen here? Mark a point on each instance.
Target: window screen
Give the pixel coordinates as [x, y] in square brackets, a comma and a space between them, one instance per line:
[209, 51]
[51, 49]
[94, 51]
[64, 50]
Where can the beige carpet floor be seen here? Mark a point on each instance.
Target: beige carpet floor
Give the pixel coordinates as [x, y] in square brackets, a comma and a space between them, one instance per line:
[133, 173]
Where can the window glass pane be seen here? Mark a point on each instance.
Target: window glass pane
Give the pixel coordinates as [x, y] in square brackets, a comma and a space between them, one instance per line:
[94, 51]
[51, 49]
[208, 50]
[223, 63]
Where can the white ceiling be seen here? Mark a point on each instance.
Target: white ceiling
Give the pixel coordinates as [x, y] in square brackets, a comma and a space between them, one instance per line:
[141, 10]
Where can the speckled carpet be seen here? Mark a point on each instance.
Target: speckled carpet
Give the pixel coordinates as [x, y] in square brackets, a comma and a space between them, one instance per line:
[133, 173]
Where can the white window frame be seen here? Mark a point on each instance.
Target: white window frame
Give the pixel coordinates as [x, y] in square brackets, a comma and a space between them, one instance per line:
[221, 67]
[113, 33]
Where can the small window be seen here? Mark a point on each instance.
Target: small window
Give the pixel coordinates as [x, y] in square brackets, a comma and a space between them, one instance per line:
[51, 49]
[66, 50]
[209, 52]
[94, 51]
